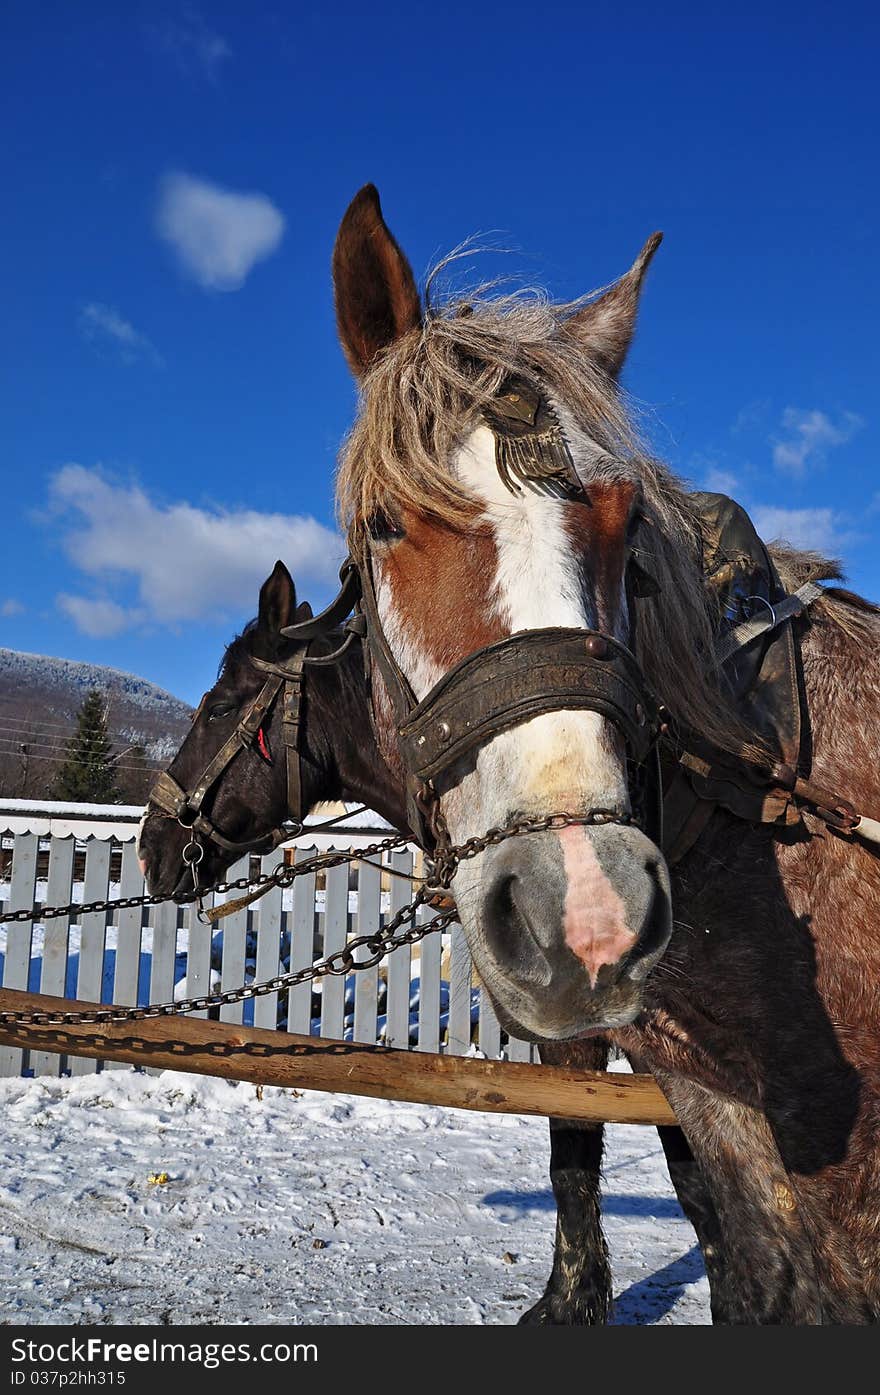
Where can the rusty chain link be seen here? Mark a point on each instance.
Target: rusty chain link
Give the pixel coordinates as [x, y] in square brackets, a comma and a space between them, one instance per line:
[342, 961]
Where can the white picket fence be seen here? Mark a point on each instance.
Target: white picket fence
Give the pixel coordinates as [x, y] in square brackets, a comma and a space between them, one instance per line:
[420, 997]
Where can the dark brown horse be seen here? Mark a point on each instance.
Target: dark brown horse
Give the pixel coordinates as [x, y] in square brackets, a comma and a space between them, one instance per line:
[249, 798]
[758, 1005]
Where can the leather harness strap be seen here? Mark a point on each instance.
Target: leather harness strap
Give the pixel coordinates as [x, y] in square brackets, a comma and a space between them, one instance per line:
[186, 805]
[289, 676]
[521, 677]
[403, 699]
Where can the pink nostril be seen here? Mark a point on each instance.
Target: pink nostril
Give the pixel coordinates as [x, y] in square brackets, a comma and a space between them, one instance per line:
[595, 916]
[143, 866]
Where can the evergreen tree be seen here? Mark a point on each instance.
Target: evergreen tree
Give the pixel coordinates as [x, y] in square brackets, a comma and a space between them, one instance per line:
[88, 775]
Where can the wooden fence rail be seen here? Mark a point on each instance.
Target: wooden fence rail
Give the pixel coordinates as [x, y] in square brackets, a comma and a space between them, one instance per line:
[290, 1060]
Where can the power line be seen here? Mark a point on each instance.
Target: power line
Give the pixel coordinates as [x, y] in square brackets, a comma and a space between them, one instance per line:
[31, 734]
[109, 696]
[47, 723]
[56, 737]
[48, 753]
[54, 760]
[61, 741]
[63, 750]
[17, 703]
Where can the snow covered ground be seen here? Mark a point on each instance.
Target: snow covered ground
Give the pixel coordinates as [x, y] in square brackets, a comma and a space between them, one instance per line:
[304, 1208]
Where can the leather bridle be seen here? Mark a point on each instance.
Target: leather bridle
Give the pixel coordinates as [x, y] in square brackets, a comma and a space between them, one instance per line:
[495, 688]
[187, 806]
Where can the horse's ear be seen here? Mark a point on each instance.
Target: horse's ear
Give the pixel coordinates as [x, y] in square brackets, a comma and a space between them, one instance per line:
[605, 326]
[375, 290]
[277, 601]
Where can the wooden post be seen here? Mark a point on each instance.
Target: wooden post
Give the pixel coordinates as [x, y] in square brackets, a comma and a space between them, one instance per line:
[311, 1063]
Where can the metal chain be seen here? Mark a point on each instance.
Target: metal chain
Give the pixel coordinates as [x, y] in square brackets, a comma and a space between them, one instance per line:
[450, 857]
[342, 961]
[282, 876]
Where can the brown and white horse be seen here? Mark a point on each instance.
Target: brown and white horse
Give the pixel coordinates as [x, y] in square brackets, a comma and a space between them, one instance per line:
[758, 1006]
[250, 797]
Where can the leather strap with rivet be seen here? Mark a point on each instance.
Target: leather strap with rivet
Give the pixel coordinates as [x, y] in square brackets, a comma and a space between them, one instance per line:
[521, 677]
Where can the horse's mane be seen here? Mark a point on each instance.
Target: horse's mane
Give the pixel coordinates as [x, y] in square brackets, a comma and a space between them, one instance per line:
[423, 396]
[856, 616]
[237, 650]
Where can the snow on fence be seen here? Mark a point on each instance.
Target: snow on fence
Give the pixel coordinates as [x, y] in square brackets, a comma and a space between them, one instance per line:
[421, 997]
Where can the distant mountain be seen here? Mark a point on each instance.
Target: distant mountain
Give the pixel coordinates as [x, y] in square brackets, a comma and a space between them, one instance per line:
[40, 697]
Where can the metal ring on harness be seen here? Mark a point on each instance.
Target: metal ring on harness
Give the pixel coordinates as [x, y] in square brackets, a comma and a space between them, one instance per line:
[190, 858]
[764, 601]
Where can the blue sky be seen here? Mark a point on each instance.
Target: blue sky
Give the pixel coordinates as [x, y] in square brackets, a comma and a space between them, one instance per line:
[173, 393]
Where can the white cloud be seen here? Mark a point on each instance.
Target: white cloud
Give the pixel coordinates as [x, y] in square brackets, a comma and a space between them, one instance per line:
[188, 563]
[821, 529]
[103, 324]
[809, 437]
[192, 44]
[11, 607]
[98, 617]
[218, 236]
[721, 481]
[750, 417]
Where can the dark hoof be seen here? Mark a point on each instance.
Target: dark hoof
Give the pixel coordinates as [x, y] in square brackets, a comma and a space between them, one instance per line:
[582, 1308]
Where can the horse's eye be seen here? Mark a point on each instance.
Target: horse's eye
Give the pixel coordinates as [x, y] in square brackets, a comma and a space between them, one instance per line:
[382, 528]
[221, 709]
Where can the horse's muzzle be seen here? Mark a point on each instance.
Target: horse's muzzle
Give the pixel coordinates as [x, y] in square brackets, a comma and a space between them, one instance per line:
[569, 923]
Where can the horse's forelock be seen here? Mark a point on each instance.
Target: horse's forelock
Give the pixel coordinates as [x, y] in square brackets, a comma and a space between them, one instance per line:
[424, 395]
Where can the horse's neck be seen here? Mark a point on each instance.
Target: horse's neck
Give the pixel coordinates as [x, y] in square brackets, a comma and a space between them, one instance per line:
[841, 656]
[363, 774]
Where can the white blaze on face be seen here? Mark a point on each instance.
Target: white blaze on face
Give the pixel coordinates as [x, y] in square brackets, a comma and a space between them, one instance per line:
[555, 761]
[560, 759]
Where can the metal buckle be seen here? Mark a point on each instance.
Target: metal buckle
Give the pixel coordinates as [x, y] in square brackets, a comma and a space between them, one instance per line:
[769, 607]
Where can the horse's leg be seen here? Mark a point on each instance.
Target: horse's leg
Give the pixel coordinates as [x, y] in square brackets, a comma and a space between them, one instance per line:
[696, 1202]
[769, 1269]
[578, 1292]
